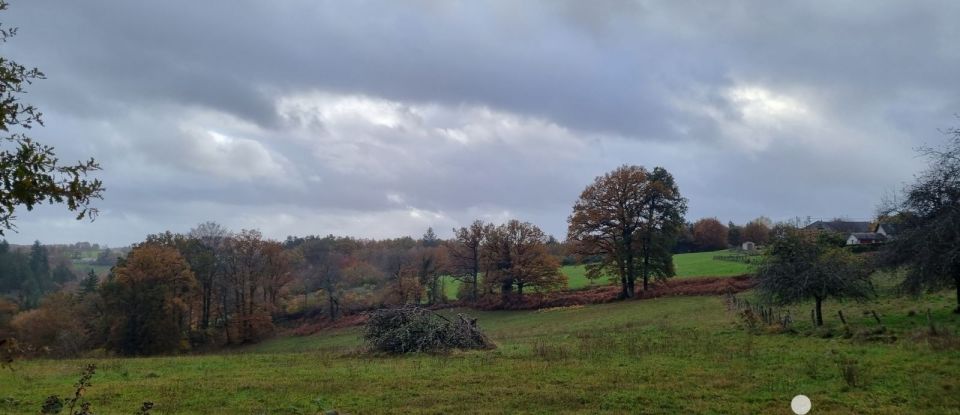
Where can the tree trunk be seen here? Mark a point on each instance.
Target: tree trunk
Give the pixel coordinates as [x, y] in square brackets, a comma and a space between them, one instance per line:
[332, 305]
[628, 266]
[956, 280]
[205, 308]
[646, 266]
[476, 281]
[819, 311]
[624, 291]
[506, 287]
[402, 295]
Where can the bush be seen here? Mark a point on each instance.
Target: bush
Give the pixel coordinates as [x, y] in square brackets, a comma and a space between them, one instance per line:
[56, 328]
[414, 329]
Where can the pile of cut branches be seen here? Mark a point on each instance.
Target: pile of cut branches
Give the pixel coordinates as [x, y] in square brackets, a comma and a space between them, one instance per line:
[413, 329]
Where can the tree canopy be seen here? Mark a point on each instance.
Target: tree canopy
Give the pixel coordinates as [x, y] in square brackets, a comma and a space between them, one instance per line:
[30, 173]
[927, 223]
[630, 219]
[801, 266]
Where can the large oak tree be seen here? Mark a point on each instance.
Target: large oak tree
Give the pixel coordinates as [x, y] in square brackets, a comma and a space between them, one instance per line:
[630, 219]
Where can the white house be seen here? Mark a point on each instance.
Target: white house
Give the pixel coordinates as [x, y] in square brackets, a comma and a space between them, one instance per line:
[858, 238]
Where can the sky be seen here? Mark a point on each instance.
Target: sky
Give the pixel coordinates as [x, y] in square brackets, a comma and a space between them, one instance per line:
[382, 118]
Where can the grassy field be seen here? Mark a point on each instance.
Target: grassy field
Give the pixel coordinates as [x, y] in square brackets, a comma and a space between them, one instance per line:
[83, 269]
[668, 355]
[699, 264]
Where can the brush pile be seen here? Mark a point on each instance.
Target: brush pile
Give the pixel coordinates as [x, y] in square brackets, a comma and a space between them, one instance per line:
[413, 329]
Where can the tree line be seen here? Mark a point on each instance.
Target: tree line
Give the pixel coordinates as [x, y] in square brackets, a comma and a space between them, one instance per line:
[211, 287]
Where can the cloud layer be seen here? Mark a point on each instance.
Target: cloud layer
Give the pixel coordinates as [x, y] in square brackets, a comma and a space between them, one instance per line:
[379, 119]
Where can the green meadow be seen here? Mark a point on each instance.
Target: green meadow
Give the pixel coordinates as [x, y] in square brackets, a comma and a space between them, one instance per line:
[698, 264]
[666, 355]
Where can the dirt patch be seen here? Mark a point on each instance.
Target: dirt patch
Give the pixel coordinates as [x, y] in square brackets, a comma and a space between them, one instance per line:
[312, 326]
[669, 288]
[535, 301]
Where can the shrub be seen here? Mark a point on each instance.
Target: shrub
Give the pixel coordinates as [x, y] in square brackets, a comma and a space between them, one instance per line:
[413, 329]
[56, 327]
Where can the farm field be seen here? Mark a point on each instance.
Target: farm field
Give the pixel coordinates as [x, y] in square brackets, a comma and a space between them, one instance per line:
[698, 264]
[668, 355]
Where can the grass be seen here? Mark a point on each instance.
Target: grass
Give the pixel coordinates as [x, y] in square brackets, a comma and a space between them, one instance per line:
[698, 264]
[668, 355]
[702, 264]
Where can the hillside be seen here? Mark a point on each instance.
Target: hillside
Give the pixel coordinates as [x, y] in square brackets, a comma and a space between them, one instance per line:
[669, 355]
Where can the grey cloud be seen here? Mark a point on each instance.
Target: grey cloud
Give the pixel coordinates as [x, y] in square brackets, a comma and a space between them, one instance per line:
[583, 87]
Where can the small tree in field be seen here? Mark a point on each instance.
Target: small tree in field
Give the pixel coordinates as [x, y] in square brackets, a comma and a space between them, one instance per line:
[798, 268]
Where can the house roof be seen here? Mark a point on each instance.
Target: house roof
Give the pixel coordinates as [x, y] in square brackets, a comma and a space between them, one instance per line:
[890, 228]
[868, 236]
[840, 226]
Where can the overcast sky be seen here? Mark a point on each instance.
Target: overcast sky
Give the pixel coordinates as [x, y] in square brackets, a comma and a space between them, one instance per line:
[381, 118]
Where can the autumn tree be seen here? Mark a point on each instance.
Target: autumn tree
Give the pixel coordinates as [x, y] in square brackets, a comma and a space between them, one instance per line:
[279, 269]
[148, 301]
[927, 219]
[516, 257]
[324, 260]
[734, 237]
[465, 255]
[799, 266]
[56, 326]
[248, 270]
[709, 234]
[399, 267]
[32, 174]
[7, 310]
[630, 218]
[204, 250]
[430, 262]
[756, 231]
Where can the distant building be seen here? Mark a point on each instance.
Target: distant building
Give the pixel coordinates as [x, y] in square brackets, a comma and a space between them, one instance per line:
[840, 226]
[859, 238]
[748, 246]
[889, 230]
[856, 232]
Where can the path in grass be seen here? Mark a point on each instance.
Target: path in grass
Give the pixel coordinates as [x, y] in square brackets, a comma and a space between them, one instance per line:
[667, 355]
[699, 264]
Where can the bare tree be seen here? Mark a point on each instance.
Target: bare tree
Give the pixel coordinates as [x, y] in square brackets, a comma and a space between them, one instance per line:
[927, 223]
[465, 254]
[205, 256]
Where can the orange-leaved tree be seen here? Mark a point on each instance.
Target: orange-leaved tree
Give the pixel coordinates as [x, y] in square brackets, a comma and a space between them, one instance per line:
[148, 301]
